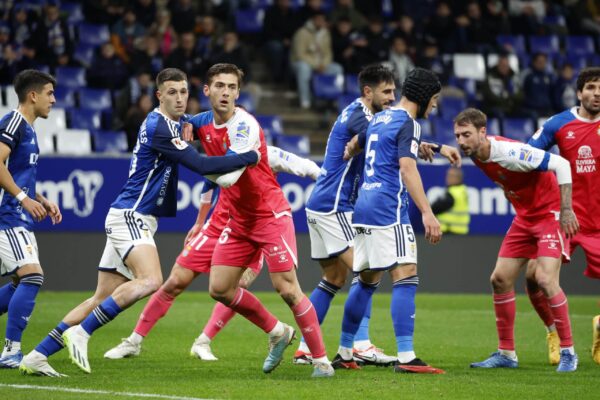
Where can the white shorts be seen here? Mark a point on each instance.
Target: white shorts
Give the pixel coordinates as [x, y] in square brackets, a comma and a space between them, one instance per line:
[380, 249]
[330, 235]
[18, 247]
[125, 229]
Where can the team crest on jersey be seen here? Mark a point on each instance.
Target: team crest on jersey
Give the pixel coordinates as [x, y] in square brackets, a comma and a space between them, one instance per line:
[242, 131]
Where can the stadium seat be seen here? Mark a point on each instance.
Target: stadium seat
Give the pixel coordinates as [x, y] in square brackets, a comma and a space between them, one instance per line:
[95, 99]
[74, 142]
[12, 101]
[270, 124]
[493, 127]
[56, 121]
[444, 130]
[344, 100]
[519, 129]
[468, 86]
[71, 77]
[297, 144]
[65, 97]
[579, 45]
[247, 101]
[426, 130]
[469, 66]
[351, 85]
[250, 20]
[84, 54]
[328, 87]
[204, 101]
[514, 43]
[548, 45]
[93, 34]
[578, 62]
[73, 12]
[451, 106]
[83, 118]
[110, 141]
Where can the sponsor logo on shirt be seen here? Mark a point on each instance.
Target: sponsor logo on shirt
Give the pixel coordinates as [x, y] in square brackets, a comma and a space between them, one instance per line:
[526, 154]
[414, 148]
[570, 135]
[585, 162]
[179, 144]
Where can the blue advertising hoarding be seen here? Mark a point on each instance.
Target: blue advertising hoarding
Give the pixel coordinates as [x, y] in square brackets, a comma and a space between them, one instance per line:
[85, 187]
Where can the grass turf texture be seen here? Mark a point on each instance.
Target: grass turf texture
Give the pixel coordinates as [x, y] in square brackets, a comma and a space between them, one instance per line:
[451, 332]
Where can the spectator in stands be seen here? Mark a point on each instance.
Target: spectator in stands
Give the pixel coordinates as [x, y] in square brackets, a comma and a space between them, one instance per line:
[279, 26]
[405, 28]
[312, 52]
[184, 14]
[537, 88]
[401, 63]
[526, 16]
[125, 33]
[10, 58]
[208, 37]
[187, 58]
[22, 25]
[164, 32]
[307, 11]
[347, 44]
[139, 85]
[147, 56]
[345, 9]
[28, 59]
[145, 10]
[429, 58]
[231, 52]
[496, 18]
[107, 70]
[442, 28]
[565, 95]
[52, 37]
[472, 31]
[379, 45]
[501, 89]
[103, 11]
[135, 117]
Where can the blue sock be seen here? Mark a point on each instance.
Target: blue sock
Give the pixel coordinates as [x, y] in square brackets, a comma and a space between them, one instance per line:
[403, 311]
[53, 342]
[6, 293]
[363, 329]
[21, 305]
[354, 309]
[101, 315]
[321, 299]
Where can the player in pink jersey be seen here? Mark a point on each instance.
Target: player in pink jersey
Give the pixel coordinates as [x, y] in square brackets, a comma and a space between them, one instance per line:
[576, 132]
[195, 259]
[539, 231]
[260, 224]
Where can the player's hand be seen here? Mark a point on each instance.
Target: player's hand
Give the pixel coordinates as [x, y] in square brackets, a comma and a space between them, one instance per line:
[452, 154]
[187, 132]
[37, 211]
[352, 148]
[53, 211]
[426, 151]
[192, 233]
[433, 232]
[568, 222]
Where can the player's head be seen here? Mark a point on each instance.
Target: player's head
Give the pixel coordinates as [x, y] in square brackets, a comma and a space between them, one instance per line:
[423, 88]
[454, 176]
[222, 87]
[377, 86]
[35, 88]
[470, 130]
[172, 93]
[588, 90]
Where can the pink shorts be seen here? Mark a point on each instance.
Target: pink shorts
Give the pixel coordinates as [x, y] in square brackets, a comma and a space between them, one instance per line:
[532, 240]
[590, 243]
[273, 238]
[198, 252]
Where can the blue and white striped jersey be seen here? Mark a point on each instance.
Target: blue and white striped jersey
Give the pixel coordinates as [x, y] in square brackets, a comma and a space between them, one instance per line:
[382, 198]
[337, 185]
[16, 133]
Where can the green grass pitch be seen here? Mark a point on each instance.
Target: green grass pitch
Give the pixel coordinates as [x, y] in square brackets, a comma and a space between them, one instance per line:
[451, 332]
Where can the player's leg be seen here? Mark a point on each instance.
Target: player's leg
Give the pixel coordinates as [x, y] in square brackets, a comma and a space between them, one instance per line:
[6, 293]
[36, 362]
[503, 284]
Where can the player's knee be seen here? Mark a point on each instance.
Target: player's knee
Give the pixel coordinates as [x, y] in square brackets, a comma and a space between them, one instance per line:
[545, 281]
[338, 278]
[220, 294]
[151, 284]
[498, 281]
[289, 294]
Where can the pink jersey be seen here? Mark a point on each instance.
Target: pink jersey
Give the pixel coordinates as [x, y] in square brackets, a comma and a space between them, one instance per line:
[521, 171]
[579, 142]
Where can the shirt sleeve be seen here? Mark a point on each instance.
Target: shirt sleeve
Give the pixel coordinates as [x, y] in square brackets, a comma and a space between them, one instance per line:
[10, 130]
[284, 161]
[519, 157]
[408, 139]
[244, 135]
[544, 138]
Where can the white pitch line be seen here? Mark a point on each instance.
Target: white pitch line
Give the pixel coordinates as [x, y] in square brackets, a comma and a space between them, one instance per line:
[107, 392]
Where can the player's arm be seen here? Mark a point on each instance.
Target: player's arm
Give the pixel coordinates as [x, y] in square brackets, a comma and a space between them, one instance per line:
[562, 169]
[543, 138]
[427, 151]
[358, 125]
[408, 148]
[51, 208]
[37, 211]
[284, 161]
[205, 206]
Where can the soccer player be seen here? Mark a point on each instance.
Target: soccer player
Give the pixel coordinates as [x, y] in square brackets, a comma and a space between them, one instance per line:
[129, 269]
[260, 225]
[540, 230]
[576, 132]
[330, 206]
[385, 240]
[20, 205]
[195, 259]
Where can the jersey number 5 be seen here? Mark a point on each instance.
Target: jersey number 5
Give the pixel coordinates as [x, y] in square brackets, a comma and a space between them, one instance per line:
[370, 155]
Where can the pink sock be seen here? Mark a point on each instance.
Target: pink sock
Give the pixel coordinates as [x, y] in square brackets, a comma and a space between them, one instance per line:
[560, 310]
[504, 305]
[246, 304]
[155, 309]
[220, 316]
[541, 306]
[306, 318]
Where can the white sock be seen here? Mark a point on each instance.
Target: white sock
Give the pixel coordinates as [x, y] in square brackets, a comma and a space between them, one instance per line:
[135, 338]
[345, 353]
[509, 353]
[362, 345]
[570, 349]
[10, 348]
[204, 338]
[323, 360]
[551, 328]
[278, 330]
[303, 347]
[406, 356]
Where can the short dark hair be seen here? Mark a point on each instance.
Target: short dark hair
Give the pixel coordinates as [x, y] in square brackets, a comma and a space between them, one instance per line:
[586, 75]
[170, 74]
[31, 79]
[224, 68]
[471, 116]
[372, 75]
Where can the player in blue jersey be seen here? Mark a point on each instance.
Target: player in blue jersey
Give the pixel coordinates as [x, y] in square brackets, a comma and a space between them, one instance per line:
[385, 240]
[330, 206]
[20, 205]
[129, 269]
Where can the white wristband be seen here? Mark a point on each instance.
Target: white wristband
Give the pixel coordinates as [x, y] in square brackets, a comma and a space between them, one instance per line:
[21, 196]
